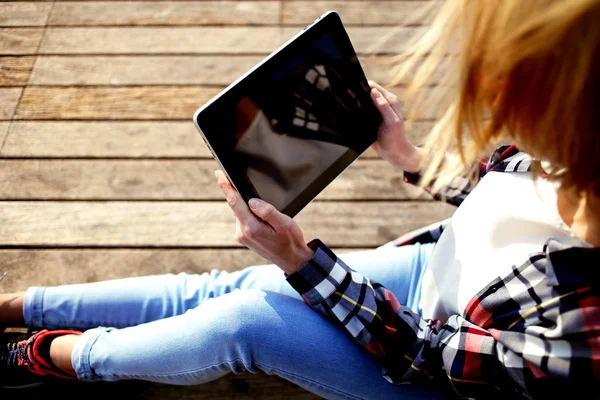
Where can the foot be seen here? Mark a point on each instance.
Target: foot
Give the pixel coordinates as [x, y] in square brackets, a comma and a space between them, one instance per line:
[25, 360]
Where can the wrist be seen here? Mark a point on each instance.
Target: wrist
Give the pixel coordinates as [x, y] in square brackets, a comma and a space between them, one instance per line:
[302, 257]
[415, 160]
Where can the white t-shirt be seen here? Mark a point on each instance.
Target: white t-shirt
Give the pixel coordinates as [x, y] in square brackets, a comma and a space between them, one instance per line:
[504, 219]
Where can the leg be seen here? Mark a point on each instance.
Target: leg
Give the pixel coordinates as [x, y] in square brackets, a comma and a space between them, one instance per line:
[11, 309]
[246, 330]
[133, 301]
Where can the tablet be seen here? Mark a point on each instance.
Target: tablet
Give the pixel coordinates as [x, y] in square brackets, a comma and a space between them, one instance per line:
[289, 126]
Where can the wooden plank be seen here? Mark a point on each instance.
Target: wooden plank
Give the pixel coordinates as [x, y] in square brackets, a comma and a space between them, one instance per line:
[172, 180]
[136, 103]
[245, 386]
[202, 40]
[71, 266]
[166, 70]
[122, 139]
[9, 97]
[3, 130]
[165, 13]
[200, 224]
[104, 139]
[392, 13]
[31, 267]
[24, 13]
[141, 70]
[14, 71]
[20, 40]
[156, 102]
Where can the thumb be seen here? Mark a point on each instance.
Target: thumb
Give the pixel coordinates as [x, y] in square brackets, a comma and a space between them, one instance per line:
[268, 213]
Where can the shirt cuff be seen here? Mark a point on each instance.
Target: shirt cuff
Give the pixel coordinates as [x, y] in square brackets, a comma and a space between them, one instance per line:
[320, 277]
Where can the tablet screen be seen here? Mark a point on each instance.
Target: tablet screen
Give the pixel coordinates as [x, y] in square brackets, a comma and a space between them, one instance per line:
[288, 129]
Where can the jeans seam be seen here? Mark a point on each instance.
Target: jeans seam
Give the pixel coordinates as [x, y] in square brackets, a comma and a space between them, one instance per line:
[310, 381]
[84, 357]
[33, 301]
[246, 366]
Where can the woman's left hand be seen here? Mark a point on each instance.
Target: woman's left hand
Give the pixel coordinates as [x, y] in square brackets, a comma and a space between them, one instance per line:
[266, 231]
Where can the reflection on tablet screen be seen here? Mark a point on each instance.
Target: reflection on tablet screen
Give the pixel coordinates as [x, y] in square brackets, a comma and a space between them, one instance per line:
[285, 127]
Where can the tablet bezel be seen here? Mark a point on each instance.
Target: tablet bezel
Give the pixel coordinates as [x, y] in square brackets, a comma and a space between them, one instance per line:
[331, 23]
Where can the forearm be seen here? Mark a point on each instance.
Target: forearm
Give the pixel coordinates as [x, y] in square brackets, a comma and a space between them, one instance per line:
[417, 160]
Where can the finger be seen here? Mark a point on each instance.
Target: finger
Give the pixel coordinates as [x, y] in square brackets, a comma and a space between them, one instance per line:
[269, 214]
[375, 147]
[234, 200]
[385, 109]
[391, 98]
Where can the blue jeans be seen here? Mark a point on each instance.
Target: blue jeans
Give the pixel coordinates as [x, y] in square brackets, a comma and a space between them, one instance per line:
[190, 329]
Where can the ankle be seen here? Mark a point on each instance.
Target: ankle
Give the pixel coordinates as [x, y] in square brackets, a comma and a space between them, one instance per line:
[11, 309]
[60, 352]
[46, 349]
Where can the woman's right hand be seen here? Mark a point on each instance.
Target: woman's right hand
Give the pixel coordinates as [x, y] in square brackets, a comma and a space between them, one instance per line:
[392, 144]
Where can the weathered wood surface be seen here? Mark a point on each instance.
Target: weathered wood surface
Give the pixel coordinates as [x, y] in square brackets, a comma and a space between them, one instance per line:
[165, 13]
[9, 97]
[104, 139]
[104, 176]
[20, 40]
[234, 387]
[131, 103]
[3, 130]
[172, 180]
[139, 103]
[393, 13]
[14, 71]
[170, 70]
[200, 224]
[233, 12]
[203, 40]
[109, 139]
[71, 266]
[24, 13]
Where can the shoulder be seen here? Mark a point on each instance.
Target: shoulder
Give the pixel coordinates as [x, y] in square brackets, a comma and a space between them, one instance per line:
[507, 158]
[548, 285]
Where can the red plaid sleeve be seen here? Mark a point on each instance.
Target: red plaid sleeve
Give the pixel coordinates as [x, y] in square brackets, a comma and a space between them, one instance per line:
[519, 337]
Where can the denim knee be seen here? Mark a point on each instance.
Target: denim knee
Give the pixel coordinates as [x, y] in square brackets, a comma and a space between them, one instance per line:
[243, 323]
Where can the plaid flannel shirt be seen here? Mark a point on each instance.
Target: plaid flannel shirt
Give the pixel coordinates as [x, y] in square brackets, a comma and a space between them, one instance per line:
[534, 333]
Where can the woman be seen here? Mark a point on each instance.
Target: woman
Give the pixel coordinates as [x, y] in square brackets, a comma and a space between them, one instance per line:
[500, 301]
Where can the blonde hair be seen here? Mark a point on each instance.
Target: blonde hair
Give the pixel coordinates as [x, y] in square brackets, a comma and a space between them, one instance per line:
[520, 71]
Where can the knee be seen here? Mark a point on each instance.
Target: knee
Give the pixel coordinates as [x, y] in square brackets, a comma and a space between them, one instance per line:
[241, 318]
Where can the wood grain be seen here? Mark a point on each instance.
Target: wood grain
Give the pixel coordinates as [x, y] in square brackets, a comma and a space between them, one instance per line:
[360, 12]
[244, 386]
[30, 267]
[141, 70]
[117, 13]
[24, 13]
[165, 13]
[173, 180]
[19, 40]
[169, 70]
[201, 224]
[14, 71]
[9, 97]
[3, 130]
[118, 43]
[122, 139]
[136, 103]
[202, 40]
[104, 139]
